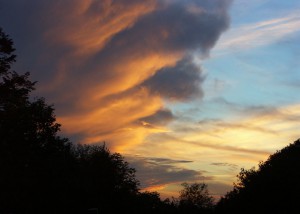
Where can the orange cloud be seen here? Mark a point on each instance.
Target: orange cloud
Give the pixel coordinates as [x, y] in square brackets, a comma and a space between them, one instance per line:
[244, 141]
[128, 73]
[155, 188]
[109, 66]
[88, 25]
[117, 120]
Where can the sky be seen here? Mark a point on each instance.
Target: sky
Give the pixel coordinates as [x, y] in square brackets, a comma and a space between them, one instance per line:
[186, 90]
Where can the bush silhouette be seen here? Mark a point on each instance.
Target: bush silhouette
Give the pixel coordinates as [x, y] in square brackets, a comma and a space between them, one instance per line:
[273, 188]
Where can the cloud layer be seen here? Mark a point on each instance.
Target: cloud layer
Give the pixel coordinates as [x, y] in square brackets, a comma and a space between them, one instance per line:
[258, 34]
[106, 65]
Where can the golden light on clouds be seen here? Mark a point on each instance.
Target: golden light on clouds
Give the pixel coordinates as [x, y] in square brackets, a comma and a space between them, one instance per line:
[128, 73]
[221, 149]
[155, 188]
[119, 116]
[88, 25]
[109, 55]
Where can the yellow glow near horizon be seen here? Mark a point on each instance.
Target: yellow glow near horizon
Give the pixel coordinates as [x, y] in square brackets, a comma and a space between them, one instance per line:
[242, 143]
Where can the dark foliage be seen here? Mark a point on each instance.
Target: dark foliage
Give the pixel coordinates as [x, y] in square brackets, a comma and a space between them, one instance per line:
[104, 180]
[6, 53]
[273, 188]
[195, 198]
[34, 161]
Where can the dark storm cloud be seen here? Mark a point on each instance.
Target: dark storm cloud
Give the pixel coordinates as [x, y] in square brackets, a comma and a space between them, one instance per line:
[181, 82]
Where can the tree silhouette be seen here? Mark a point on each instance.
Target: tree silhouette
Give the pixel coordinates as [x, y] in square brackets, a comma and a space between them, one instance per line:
[105, 179]
[195, 198]
[273, 188]
[32, 157]
[6, 53]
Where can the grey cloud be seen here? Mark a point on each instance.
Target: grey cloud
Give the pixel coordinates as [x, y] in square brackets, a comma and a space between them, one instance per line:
[244, 109]
[224, 102]
[209, 121]
[48, 34]
[159, 171]
[230, 165]
[181, 82]
[169, 29]
[173, 26]
[161, 117]
[258, 110]
[292, 83]
[166, 161]
[150, 173]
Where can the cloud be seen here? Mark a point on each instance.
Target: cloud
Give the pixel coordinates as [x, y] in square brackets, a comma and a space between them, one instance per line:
[160, 172]
[160, 117]
[166, 161]
[258, 34]
[218, 149]
[173, 27]
[180, 82]
[107, 64]
[209, 143]
[166, 175]
[245, 126]
[241, 109]
[229, 165]
[254, 134]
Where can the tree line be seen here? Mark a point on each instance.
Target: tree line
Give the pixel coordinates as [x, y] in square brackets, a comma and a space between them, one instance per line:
[42, 172]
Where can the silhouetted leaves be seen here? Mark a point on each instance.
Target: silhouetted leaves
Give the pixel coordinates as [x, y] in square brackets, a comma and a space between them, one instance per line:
[272, 188]
[6, 52]
[195, 198]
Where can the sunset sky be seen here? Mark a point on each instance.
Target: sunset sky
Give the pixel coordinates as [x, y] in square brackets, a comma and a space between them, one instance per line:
[185, 90]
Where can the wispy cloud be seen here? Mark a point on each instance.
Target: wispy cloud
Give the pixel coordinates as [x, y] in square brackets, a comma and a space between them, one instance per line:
[220, 148]
[230, 165]
[258, 34]
[156, 173]
[109, 65]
